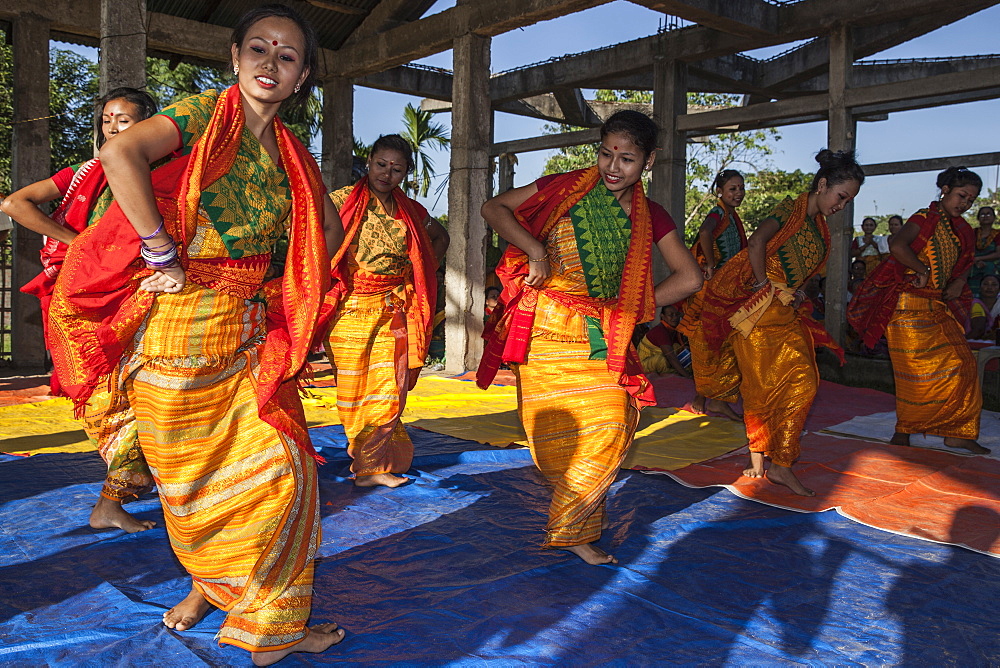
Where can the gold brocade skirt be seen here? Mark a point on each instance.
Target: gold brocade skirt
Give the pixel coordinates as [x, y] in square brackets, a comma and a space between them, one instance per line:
[368, 348]
[780, 379]
[937, 387]
[579, 421]
[716, 373]
[240, 499]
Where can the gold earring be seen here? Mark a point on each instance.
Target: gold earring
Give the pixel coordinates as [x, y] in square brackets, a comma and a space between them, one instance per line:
[236, 69]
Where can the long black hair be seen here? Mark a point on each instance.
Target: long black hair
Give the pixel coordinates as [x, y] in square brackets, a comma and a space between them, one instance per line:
[635, 125]
[956, 177]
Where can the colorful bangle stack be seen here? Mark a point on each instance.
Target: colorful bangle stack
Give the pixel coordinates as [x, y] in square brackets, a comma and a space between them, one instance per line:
[158, 257]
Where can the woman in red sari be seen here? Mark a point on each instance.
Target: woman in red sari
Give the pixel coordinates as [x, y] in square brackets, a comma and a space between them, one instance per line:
[83, 201]
[577, 280]
[921, 301]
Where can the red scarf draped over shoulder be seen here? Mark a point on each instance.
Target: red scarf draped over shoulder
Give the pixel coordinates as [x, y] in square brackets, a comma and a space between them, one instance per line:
[423, 301]
[732, 286]
[97, 306]
[872, 305]
[508, 331]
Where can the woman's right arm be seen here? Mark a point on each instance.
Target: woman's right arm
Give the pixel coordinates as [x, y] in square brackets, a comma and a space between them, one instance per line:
[706, 240]
[499, 214]
[757, 248]
[126, 159]
[22, 207]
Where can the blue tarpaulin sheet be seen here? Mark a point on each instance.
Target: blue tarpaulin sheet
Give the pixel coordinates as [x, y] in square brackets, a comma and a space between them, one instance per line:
[448, 571]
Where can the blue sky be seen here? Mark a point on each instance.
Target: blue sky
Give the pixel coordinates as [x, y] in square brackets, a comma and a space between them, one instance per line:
[952, 130]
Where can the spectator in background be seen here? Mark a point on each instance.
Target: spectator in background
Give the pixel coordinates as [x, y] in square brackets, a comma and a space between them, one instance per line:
[664, 350]
[987, 251]
[985, 309]
[868, 247]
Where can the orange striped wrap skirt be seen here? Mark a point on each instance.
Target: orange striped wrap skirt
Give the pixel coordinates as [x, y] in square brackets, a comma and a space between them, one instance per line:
[937, 386]
[579, 421]
[368, 348]
[109, 422]
[777, 362]
[240, 499]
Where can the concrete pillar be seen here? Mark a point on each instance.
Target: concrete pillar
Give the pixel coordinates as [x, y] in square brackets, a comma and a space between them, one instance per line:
[467, 190]
[668, 185]
[505, 178]
[338, 132]
[841, 134]
[30, 162]
[122, 56]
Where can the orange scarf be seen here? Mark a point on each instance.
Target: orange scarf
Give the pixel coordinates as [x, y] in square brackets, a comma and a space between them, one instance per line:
[98, 304]
[420, 311]
[508, 330]
[872, 305]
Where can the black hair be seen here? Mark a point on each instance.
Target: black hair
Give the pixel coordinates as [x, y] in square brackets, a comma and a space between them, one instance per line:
[984, 208]
[956, 177]
[143, 102]
[723, 177]
[837, 167]
[895, 215]
[867, 218]
[490, 289]
[310, 58]
[394, 143]
[989, 276]
[635, 125]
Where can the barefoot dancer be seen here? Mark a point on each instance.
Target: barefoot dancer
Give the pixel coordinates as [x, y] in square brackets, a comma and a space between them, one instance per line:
[384, 310]
[721, 236]
[84, 198]
[576, 281]
[920, 300]
[757, 294]
[201, 347]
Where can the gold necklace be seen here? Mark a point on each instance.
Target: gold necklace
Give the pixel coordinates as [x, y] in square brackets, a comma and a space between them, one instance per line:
[391, 209]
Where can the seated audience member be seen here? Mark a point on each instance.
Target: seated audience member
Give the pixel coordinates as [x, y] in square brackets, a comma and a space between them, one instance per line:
[492, 298]
[664, 350]
[986, 309]
[858, 271]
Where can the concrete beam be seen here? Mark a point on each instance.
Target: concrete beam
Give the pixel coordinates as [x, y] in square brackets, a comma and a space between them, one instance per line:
[436, 33]
[869, 99]
[30, 151]
[122, 56]
[880, 73]
[385, 15]
[410, 80]
[575, 109]
[746, 18]
[932, 164]
[546, 142]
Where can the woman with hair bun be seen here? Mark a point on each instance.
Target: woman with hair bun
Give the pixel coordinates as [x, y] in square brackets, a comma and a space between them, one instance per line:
[382, 309]
[171, 294]
[576, 280]
[921, 301]
[721, 236]
[754, 303]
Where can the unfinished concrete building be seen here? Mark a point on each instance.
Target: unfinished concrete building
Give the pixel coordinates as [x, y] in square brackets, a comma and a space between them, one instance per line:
[372, 43]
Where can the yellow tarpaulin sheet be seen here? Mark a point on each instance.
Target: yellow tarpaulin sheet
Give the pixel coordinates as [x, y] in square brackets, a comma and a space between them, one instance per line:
[43, 426]
[667, 439]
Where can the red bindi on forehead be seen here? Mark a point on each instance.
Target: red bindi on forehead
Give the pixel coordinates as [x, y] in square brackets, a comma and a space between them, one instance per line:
[616, 148]
[274, 42]
[111, 113]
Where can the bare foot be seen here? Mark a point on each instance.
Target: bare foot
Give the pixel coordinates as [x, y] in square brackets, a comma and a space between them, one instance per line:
[756, 467]
[385, 479]
[900, 439]
[717, 406]
[188, 612]
[698, 405]
[783, 475]
[108, 514]
[966, 444]
[319, 639]
[592, 554]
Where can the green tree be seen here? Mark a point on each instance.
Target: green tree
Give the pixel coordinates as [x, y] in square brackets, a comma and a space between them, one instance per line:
[6, 111]
[766, 188]
[72, 91]
[422, 134]
[361, 149]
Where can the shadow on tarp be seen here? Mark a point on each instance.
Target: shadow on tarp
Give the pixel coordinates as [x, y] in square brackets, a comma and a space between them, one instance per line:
[447, 570]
